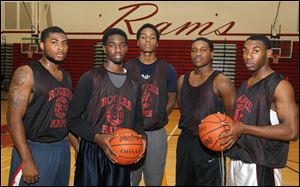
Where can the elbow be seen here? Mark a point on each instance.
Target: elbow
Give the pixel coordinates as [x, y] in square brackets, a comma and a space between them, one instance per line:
[294, 137]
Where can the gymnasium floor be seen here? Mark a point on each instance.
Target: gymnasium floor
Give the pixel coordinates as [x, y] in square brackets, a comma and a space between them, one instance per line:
[290, 173]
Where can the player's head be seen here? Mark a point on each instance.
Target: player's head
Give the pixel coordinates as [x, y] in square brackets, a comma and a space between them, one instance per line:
[54, 43]
[209, 43]
[202, 52]
[149, 26]
[256, 51]
[113, 31]
[115, 45]
[147, 38]
[263, 39]
[52, 29]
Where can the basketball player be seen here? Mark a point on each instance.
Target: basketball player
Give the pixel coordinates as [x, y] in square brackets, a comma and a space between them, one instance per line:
[158, 84]
[106, 98]
[39, 97]
[267, 119]
[201, 92]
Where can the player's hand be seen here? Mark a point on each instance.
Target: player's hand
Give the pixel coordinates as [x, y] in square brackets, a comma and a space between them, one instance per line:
[229, 139]
[144, 139]
[30, 172]
[103, 141]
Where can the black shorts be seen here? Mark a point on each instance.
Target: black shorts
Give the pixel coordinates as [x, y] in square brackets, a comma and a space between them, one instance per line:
[196, 165]
[93, 168]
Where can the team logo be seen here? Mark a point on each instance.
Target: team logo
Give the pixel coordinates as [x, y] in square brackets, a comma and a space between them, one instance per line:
[61, 107]
[243, 105]
[115, 115]
[146, 100]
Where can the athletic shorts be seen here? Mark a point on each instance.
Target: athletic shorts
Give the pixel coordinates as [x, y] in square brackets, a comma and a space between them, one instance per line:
[244, 174]
[51, 159]
[93, 168]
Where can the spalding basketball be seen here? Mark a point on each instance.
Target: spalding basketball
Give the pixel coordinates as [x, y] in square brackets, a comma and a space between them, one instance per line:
[211, 127]
[127, 144]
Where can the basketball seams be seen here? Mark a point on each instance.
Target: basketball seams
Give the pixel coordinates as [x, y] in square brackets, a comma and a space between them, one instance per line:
[224, 126]
[211, 128]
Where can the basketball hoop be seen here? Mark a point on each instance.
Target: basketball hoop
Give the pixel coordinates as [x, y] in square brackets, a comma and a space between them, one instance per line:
[275, 58]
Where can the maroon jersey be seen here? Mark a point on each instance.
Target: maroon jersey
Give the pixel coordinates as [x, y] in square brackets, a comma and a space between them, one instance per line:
[109, 107]
[45, 119]
[252, 107]
[154, 94]
[198, 102]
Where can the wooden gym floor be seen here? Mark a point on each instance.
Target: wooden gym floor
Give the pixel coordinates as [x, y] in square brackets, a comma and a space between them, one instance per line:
[290, 173]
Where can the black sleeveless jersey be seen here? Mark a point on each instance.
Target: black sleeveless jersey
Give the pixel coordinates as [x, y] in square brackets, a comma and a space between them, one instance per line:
[154, 94]
[197, 102]
[252, 107]
[45, 119]
[110, 107]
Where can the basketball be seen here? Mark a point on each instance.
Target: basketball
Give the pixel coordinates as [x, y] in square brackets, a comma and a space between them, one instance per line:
[127, 144]
[211, 127]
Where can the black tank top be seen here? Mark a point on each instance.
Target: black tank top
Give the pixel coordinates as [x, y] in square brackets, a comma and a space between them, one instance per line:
[45, 119]
[154, 94]
[110, 107]
[197, 102]
[252, 107]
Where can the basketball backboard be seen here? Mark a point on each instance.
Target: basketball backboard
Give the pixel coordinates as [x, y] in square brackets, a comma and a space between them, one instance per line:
[30, 45]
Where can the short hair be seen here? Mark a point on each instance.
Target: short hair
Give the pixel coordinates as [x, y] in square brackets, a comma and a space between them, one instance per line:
[53, 29]
[262, 38]
[147, 25]
[210, 44]
[111, 32]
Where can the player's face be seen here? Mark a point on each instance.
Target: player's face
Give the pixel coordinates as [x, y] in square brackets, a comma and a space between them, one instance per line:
[55, 47]
[116, 48]
[147, 41]
[201, 55]
[255, 54]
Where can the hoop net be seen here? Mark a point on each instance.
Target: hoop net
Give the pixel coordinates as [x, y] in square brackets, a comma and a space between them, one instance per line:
[30, 54]
[275, 58]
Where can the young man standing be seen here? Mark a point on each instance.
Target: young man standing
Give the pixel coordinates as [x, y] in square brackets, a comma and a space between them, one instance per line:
[158, 85]
[106, 98]
[267, 118]
[39, 97]
[201, 92]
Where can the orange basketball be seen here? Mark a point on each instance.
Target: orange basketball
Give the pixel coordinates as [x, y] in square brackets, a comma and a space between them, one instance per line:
[211, 127]
[127, 144]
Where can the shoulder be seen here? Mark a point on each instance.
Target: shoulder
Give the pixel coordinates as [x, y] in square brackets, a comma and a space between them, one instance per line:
[223, 83]
[284, 89]
[222, 79]
[181, 79]
[23, 72]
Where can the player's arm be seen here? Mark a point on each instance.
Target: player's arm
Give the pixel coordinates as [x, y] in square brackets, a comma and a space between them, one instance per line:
[287, 112]
[74, 141]
[80, 126]
[171, 87]
[20, 92]
[171, 102]
[179, 86]
[224, 88]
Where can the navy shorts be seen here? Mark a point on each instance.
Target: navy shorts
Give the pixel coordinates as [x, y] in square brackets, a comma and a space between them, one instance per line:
[52, 160]
[93, 168]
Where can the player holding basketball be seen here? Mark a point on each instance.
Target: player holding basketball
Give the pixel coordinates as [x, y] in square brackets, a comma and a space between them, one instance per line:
[201, 92]
[158, 84]
[39, 97]
[106, 98]
[267, 119]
